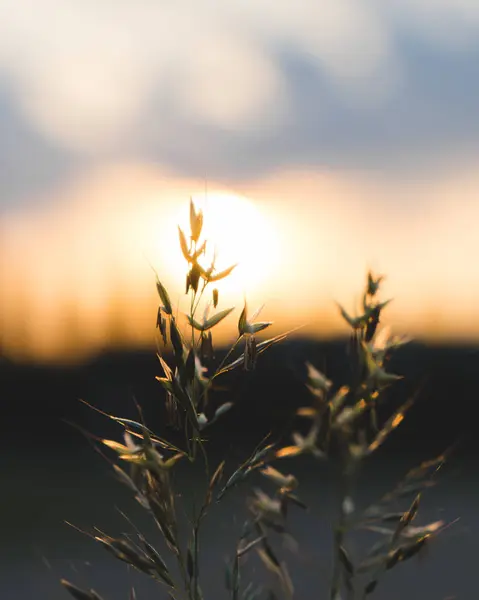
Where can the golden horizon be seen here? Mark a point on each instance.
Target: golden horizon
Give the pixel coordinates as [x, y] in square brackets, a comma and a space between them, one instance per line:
[76, 278]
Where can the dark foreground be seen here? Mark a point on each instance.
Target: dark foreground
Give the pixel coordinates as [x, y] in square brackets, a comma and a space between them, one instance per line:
[50, 474]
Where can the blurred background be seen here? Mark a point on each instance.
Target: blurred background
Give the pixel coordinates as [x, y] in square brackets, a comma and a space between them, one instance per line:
[322, 140]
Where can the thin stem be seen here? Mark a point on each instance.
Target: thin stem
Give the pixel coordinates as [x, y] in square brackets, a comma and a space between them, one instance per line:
[205, 456]
[348, 472]
[192, 313]
[338, 542]
[184, 574]
[228, 354]
[200, 295]
[221, 365]
[194, 585]
[196, 555]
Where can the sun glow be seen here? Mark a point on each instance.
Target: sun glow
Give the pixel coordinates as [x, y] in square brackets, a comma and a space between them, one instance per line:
[237, 232]
[76, 278]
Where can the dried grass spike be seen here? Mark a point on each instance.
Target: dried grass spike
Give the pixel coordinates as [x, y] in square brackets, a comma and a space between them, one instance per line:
[78, 593]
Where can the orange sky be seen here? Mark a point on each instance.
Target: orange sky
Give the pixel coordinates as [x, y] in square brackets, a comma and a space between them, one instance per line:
[75, 271]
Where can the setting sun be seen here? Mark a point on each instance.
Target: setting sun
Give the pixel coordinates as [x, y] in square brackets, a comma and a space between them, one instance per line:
[298, 238]
[237, 232]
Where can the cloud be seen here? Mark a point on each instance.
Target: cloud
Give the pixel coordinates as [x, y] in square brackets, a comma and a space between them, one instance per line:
[83, 72]
[453, 24]
[232, 89]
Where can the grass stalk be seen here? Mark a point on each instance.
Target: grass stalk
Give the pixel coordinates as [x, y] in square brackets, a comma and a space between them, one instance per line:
[343, 418]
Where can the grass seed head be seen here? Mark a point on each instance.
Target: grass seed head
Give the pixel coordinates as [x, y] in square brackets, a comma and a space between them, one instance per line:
[196, 222]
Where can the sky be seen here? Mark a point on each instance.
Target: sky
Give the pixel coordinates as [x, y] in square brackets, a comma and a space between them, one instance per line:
[340, 135]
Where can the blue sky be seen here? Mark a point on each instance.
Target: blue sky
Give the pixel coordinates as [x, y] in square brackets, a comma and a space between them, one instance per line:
[235, 89]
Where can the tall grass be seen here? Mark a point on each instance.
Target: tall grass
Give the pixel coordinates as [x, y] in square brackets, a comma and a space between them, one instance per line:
[342, 425]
